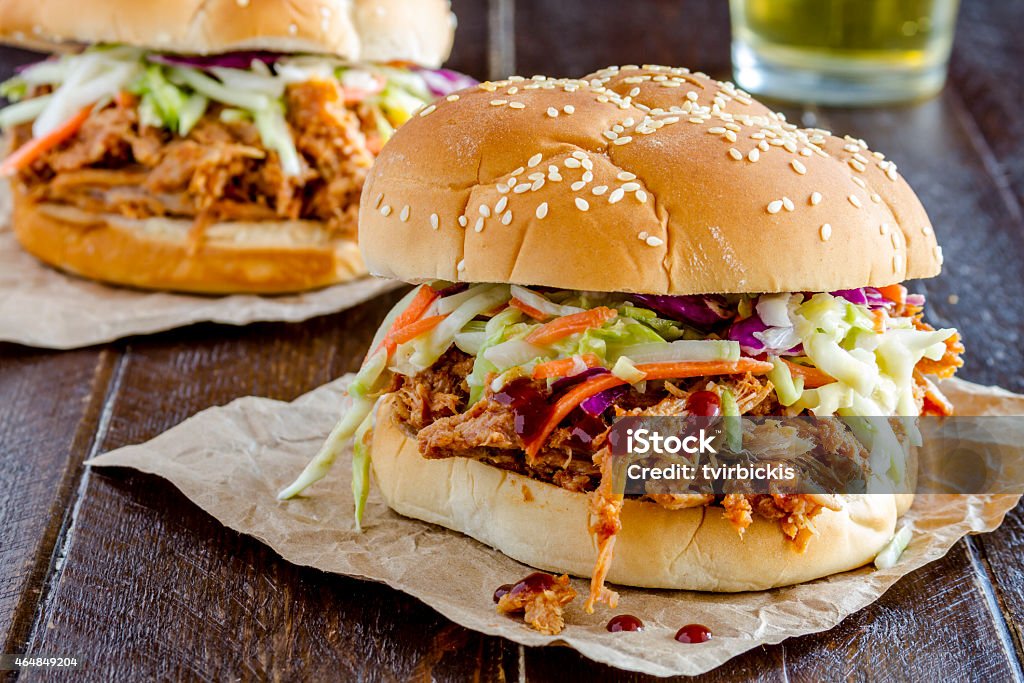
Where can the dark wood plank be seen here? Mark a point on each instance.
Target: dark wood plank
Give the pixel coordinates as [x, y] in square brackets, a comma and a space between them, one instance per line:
[575, 37]
[51, 406]
[985, 73]
[151, 587]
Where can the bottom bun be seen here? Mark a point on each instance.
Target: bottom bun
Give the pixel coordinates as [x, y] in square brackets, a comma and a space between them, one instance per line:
[545, 526]
[260, 257]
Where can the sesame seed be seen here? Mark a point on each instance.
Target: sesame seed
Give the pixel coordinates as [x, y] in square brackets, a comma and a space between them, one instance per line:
[883, 229]
[435, 222]
[853, 200]
[626, 175]
[404, 215]
[452, 98]
[857, 165]
[654, 241]
[588, 177]
[798, 167]
[623, 140]
[502, 188]
[630, 187]
[641, 196]
[461, 265]
[815, 198]
[542, 210]
[568, 109]
[463, 221]
[537, 184]
[380, 198]
[735, 154]
[600, 190]
[763, 146]
[518, 171]
[587, 164]
[428, 110]
[578, 185]
[552, 112]
[775, 206]
[516, 105]
[582, 204]
[896, 261]
[521, 188]
[730, 136]
[896, 239]
[860, 183]
[716, 130]
[506, 218]
[498, 103]
[891, 173]
[616, 195]
[534, 160]
[938, 254]
[610, 134]
[754, 155]
[535, 176]
[642, 235]
[513, 90]
[500, 206]
[572, 163]
[788, 204]
[479, 225]
[634, 92]
[826, 232]
[692, 96]
[485, 211]
[926, 230]
[385, 210]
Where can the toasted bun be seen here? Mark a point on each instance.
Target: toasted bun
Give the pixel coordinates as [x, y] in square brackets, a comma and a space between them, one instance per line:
[263, 257]
[694, 220]
[545, 526]
[418, 31]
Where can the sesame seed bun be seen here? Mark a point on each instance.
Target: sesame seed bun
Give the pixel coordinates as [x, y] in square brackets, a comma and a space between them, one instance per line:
[545, 526]
[266, 257]
[418, 31]
[645, 179]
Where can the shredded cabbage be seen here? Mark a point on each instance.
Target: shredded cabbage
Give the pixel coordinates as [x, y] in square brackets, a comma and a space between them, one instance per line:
[682, 350]
[890, 554]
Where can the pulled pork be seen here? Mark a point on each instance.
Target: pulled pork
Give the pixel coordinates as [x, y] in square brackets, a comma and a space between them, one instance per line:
[540, 600]
[219, 171]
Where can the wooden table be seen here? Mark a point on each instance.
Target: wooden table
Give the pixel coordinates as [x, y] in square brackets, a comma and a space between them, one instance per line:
[120, 570]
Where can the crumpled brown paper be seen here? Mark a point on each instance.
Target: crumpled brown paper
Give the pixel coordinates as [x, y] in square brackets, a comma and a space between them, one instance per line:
[42, 307]
[232, 460]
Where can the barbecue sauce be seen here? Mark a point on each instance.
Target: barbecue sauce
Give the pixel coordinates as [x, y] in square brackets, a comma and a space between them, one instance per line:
[501, 591]
[529, 407]
[693, 633]
[704, 404]
[624, 622]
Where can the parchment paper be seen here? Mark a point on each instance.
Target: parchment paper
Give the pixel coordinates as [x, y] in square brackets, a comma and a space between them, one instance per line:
[40, 306]
[232, 460]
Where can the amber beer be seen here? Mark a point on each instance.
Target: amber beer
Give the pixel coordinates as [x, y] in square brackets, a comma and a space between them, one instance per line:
[844, 52]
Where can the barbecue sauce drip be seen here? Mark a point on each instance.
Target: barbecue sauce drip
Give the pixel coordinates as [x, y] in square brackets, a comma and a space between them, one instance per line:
[537, 582]
[501, 591]
[693, 633]
[624, 622]
[584, 430]
[704, 404]
[529, 407]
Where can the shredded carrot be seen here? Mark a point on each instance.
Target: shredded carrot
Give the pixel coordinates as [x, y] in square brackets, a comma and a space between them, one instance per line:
[125, 99]
[528, 309]
[570, 324]
[413, 330]
[36, 147]
[671, 370]
[897, 293]
[879, 320]
[563, 366]
[413, 312]
[572, 398]
[813, 377]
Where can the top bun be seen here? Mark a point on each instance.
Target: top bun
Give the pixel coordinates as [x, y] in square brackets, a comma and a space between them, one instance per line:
[418, 31]
[650, 179]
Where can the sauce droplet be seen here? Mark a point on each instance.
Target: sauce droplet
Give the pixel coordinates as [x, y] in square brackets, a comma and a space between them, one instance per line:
[704, 404]
[624, 622]
[529, 406]
[500, 591]
[693, 633]
[537, 582]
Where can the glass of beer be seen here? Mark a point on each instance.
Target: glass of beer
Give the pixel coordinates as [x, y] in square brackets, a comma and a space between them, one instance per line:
[842, 52]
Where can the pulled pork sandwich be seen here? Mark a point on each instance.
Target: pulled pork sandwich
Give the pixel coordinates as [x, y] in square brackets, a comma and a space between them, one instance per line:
[644, 241]
[210, 146]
